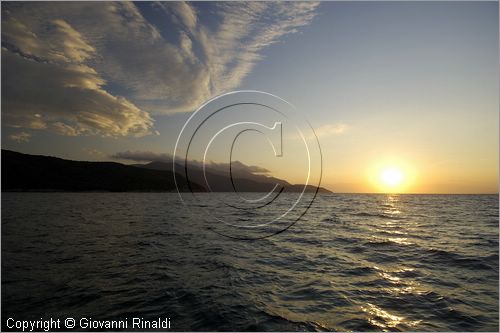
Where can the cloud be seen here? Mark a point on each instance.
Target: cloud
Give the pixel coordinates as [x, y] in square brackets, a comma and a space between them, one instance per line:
[159, 72]
[149, 156]
[142, 156]
[181, 12]
[63, 64]
[93, 152]
[237, 168]
[70, 42]
[234, 47]
[65, 129]
[46, 85]
[20, 137]
[67, 99]
[173, 77]
[331, 129]
[63, 44]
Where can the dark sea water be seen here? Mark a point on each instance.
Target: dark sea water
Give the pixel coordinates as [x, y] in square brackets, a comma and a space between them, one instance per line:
[355, 262]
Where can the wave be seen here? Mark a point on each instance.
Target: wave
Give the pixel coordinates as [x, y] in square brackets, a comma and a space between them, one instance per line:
[379, 215]
[456, 259]
[340, 269]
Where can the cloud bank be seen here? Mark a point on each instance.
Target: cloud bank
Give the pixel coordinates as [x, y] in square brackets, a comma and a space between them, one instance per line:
[144, 156]
[20, 137]
[331, 129]
[46, 85]
[106, 68]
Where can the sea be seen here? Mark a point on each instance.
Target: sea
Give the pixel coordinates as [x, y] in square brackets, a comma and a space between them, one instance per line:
[352, 262]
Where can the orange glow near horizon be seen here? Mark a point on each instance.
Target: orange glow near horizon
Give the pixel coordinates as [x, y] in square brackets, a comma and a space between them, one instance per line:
[391, 176]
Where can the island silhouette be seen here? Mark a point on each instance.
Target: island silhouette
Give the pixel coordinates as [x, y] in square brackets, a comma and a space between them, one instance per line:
[37, 173]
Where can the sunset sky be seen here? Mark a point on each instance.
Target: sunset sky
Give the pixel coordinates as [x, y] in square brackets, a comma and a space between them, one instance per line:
[402, 95]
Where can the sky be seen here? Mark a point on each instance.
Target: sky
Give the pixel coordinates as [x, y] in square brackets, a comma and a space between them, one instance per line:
[408, 89]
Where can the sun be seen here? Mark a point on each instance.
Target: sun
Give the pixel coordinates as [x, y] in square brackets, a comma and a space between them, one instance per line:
[391, 177]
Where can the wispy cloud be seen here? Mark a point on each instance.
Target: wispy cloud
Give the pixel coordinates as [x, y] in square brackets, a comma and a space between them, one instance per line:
[92, 152]
[142, 156]
[234, 47]
[206, 60]
[331, 129]
[237, 167]
[149, 156]
[180, 12]
[64, 63]
[20, 137]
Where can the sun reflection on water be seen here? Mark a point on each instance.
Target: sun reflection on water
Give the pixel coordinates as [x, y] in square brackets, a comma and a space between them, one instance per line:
[380, 317]
[400, 241]
[385, 320]
[389, 277]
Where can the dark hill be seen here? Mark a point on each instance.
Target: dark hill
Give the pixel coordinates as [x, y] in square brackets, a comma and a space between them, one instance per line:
[244, 180]
[23, 172]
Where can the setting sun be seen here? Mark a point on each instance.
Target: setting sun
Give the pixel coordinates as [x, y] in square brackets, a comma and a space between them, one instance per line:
[391, 177]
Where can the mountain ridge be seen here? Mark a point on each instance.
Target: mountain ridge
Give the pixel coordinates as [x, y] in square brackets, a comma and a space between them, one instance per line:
[28, 173]
[242, 178]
